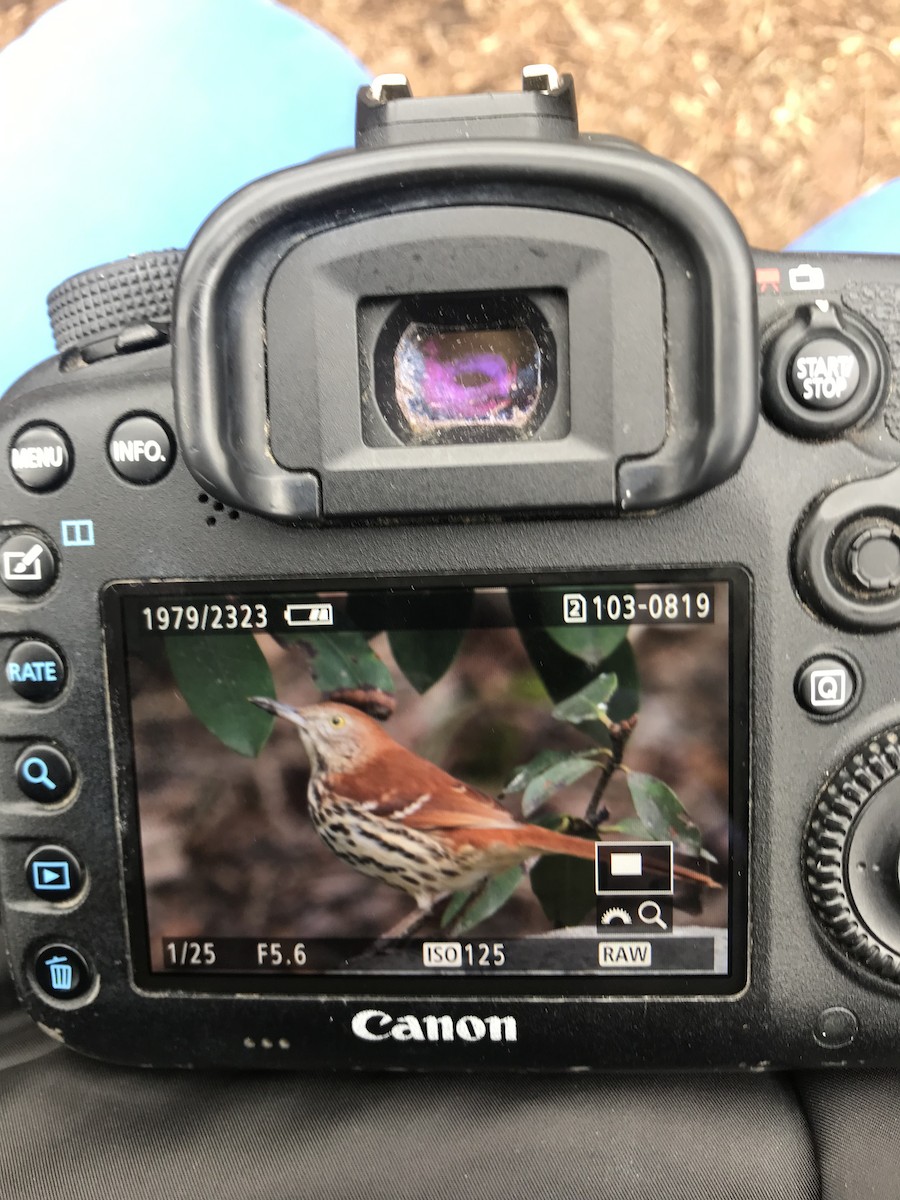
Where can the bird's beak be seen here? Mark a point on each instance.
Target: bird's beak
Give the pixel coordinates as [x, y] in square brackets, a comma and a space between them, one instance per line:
[278, 710]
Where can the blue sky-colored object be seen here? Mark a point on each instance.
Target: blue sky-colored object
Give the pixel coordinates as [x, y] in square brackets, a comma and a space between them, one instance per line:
[868, 225]
[123, 123]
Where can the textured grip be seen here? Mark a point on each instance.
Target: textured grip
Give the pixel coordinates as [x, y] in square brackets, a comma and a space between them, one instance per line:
[108, 299]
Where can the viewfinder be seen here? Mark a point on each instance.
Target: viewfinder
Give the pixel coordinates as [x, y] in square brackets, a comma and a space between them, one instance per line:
[477, 368]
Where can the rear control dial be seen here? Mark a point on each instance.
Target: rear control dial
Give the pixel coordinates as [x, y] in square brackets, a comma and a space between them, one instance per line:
[852, 856]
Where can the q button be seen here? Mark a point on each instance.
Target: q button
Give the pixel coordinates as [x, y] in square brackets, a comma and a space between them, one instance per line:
[43, 773]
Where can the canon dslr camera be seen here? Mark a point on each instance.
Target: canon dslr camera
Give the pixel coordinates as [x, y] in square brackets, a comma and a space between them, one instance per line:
[447, 618]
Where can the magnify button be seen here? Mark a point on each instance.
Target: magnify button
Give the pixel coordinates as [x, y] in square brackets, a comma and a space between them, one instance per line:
[43, 773]
[651, 914]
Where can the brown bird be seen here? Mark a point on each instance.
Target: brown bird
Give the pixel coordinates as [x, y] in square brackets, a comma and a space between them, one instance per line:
[399, 818]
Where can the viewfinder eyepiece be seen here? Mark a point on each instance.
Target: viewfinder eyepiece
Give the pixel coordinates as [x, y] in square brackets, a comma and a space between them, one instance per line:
[465, 369]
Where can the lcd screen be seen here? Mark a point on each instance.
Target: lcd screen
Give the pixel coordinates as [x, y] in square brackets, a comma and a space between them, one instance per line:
[512, 779]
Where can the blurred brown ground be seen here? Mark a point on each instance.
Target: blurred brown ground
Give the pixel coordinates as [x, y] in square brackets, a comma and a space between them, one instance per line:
[788, 109]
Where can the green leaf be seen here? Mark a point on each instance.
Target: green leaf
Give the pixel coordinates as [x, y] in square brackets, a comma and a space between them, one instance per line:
[590, 704]
[215, 676]
[343, 660]
[423, 655]
[627, 699]
[593, 644]
[467, 909]
[632, 827]
[533, 770]
[661, 812]
[564, 886]
[545, 774]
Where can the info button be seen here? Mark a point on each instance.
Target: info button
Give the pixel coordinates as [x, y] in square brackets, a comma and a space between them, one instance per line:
[141, 449]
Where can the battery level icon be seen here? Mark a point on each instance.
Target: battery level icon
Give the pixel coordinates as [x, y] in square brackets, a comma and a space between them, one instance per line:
[304, 615]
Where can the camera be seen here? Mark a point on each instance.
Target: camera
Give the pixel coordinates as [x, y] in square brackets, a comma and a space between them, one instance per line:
[447, 620]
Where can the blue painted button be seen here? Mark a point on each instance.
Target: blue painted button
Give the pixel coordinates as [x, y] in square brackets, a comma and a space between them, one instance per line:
[54, 873]
[62, 972]
[35, 671]
[43, 773]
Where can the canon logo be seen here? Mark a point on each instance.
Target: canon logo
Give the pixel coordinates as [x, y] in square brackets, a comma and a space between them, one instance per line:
[372, 1025]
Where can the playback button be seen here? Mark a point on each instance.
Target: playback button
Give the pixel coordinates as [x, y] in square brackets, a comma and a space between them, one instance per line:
[54, 873]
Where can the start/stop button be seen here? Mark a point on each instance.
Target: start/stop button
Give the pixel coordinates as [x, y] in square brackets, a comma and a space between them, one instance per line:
[822, 371]
[825, 373]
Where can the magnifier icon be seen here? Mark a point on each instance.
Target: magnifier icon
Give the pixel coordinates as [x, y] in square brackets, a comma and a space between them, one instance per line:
[34, 770]
[651, 914]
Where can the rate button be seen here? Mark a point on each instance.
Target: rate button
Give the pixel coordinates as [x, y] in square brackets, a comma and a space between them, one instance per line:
[35, 671]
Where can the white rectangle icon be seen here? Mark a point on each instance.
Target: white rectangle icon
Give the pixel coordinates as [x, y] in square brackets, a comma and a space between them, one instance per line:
[305, 615]
[442, 954]
[625, 955]
[626, 865]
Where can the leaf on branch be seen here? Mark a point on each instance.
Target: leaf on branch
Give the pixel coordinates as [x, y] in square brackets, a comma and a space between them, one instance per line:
[467, 909]
[593, 644]
[343, 661]
[215, 676]
[590, 704]
[627, 700]
[547, 773]
[424, 655]
[661, 812]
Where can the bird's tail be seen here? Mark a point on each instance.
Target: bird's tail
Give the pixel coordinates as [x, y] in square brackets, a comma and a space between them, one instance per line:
[547, 841]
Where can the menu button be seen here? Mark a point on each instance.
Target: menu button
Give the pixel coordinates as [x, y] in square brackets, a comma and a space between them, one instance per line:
[41, 458]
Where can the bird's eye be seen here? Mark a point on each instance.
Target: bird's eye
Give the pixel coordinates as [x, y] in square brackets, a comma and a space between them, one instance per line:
[337, 722]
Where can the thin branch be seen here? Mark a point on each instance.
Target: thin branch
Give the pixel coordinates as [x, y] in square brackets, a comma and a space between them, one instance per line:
[619, 733]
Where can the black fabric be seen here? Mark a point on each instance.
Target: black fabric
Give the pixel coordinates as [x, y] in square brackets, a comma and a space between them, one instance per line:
[74, 1129]
[854, 1118]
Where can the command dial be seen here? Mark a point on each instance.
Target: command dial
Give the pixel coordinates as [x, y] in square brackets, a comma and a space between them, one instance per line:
[122, 302]
[853, 856]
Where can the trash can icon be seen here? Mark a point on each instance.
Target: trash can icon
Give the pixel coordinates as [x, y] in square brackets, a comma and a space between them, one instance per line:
[62, 975]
